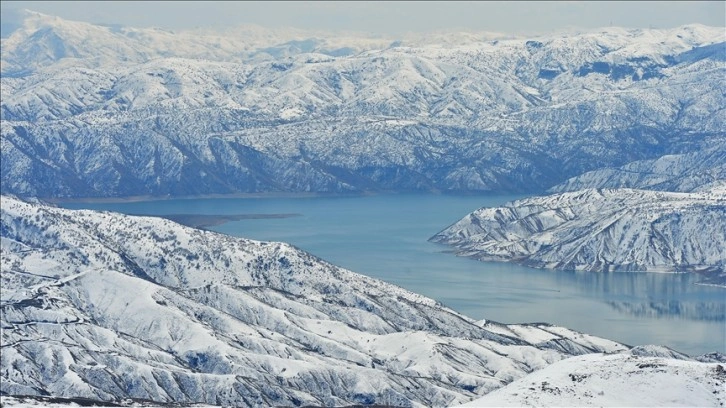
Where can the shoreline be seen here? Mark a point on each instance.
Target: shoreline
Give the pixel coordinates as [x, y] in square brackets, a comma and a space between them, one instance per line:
[150, 198]
[270, 194]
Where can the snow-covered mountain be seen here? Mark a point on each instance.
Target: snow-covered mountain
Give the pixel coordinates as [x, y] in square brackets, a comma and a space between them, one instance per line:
[601, 230]
[44, 40]
[695, 171]
[616, 380]
[108, 307]
[100, 111]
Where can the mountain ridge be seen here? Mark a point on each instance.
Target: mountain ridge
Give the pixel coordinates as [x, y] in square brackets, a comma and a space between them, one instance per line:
[484, 115]
[688, 172]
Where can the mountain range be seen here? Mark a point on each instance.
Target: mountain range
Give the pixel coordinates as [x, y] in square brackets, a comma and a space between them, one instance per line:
[99, 307]
[98, 111]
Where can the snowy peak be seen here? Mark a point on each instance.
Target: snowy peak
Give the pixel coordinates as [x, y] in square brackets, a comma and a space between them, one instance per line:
[44, 40]
[620, 53]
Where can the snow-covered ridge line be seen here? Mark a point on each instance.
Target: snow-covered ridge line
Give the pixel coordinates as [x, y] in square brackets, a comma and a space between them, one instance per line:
[106, 306]
[617, 380]
[252, 41]
[601, 230]
[103, 112]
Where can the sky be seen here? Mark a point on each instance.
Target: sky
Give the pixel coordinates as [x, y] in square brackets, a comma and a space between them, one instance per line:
[380, 17]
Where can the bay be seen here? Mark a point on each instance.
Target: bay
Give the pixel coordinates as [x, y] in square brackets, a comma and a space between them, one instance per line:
[385, 236]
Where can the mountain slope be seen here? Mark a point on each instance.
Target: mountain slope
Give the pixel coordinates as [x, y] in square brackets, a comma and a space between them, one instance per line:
[616, 380]
[696, 171]
[132, 112]
[600, 230]
[108, 307]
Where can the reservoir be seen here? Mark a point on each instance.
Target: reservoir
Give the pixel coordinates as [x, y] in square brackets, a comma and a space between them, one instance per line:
[385, 236]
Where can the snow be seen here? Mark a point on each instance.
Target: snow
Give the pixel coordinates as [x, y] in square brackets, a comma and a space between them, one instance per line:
[598, 380]
[186, 315]
[51, 402]
[697, 171]
[251, 110]
[600, 230]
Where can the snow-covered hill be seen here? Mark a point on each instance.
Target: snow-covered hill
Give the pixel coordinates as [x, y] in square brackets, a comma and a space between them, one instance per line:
[98, 111]
[108, 307]
[601, 230]
[695, 171]
[616, 380]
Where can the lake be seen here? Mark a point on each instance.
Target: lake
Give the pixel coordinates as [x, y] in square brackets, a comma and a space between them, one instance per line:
[385, 236]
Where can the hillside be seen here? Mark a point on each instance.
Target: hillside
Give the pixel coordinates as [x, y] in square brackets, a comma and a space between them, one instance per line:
[601, 230]
[696, 171]
[111, 307]
[625, 379]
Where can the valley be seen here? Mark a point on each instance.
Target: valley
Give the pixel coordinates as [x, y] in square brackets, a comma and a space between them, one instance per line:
[258, 216]
[385, 236]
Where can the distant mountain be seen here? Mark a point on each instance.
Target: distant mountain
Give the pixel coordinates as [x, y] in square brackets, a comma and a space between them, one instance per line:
[110, 307]
[44, 40]
[601, 230]
[92, 110]
[695, 171]
[624, 379]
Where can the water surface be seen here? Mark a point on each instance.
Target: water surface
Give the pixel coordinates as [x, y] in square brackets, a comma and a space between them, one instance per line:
[385, 236]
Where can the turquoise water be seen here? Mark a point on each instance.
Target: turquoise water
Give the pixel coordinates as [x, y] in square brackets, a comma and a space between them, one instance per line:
[385, 236]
